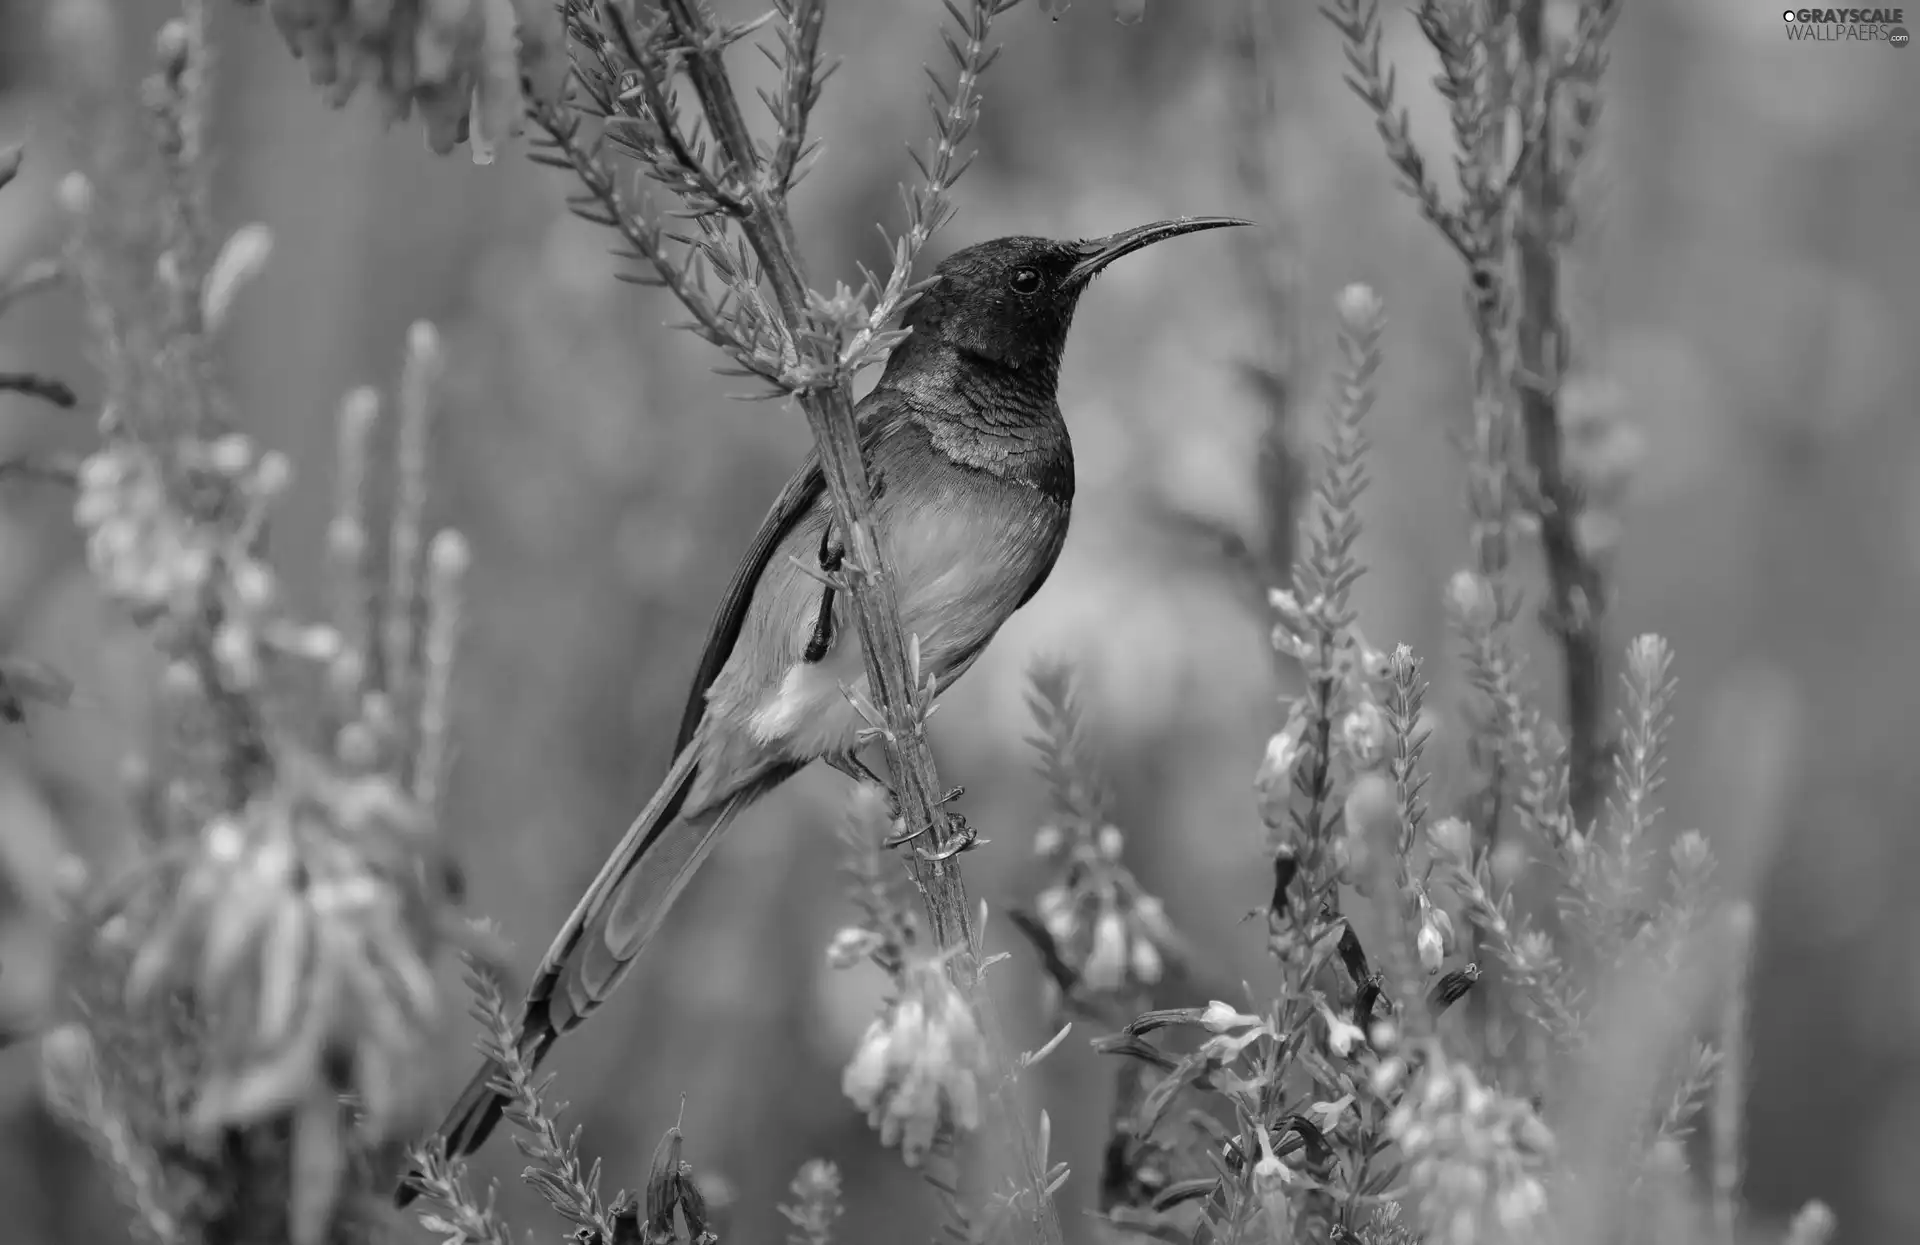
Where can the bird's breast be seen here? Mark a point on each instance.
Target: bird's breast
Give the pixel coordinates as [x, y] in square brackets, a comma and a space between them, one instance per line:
[967, 547]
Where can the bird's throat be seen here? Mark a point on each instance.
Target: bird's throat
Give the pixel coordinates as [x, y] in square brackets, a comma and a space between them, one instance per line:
[991, 418]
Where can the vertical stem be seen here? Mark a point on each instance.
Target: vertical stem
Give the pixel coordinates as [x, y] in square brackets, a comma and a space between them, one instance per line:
[1730, 1087]
[1573, 579]
[871, 588]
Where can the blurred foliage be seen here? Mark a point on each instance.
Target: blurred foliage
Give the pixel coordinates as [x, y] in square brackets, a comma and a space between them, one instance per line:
[1745, 291]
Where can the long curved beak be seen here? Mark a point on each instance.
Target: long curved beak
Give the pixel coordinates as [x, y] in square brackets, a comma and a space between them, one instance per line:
[1099, 252]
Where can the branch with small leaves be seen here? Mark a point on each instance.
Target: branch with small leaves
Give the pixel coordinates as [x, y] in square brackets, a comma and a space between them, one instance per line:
[1513, 221]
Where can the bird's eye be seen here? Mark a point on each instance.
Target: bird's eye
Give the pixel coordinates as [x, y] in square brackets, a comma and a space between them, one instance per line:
[1025, 281]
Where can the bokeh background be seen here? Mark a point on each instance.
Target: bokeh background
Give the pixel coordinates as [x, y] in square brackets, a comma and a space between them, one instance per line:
[1749, 295]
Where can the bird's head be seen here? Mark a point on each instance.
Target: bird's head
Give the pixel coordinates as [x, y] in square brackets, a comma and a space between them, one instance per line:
[1010, 301]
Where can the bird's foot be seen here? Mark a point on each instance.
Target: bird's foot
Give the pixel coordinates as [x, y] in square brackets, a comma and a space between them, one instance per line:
[833, 555]
[964, 838]
[966, 832]
[833, 551]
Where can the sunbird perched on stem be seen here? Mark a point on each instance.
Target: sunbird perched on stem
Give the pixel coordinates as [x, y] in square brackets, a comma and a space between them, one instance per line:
[973, 487]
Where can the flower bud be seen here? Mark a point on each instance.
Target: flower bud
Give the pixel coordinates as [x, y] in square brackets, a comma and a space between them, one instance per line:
[1431, 947]
[237, 655]
[851, 945]
[1471, 596]
[1057, 913]
[253, 586]
[275, 472]
[1360, 306]
[1691, 855]
[231, 454]
[75, 194]
[1144, 964]
[1274, 780]
[1106, 964]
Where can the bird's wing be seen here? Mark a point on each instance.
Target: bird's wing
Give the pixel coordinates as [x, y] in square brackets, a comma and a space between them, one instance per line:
[804, 490]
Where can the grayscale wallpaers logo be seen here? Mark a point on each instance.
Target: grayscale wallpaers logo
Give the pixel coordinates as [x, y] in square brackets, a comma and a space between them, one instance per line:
[1848, 26]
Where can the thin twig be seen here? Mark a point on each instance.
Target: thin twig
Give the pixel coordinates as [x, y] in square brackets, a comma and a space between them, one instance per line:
[1578, 590]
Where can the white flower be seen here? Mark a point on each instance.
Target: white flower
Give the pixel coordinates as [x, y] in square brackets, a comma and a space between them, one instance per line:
[1342, 1035]
[1275, 776]
[1451, 837]
[1057, 913]
[1365, 733]
[1470, 595]
[1359, 305]
[918, 1064]
[1223, 1018]
[1144, 964]
[1106, 966]
[1435, 937]
[851, 945]
[1327, 1115]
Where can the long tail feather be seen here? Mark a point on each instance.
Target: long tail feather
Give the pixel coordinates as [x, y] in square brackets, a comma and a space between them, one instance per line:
[610, 926]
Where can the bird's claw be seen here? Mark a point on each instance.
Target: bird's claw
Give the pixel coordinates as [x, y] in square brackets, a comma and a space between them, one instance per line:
[833, 551]
[901, 840]
[966, 832]
[964, 837]
[833, 554]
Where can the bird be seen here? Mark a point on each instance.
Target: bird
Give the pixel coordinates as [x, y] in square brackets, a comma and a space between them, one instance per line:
[973, 480]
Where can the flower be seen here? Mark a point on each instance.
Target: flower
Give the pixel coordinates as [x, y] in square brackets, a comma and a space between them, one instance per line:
[1435, 937]
[1273, 782]
[1359, 305]
[1474, 1156]
[1471, 597]
[1058, 913]
[1223, 1018]
[1326, 1115]
[1342, 1035]
[1451, 837]
[918, 1065]
[1365, 734]
[852, 945]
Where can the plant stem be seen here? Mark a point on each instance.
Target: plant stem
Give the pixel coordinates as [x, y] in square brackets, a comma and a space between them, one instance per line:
[870, 579]
[1573, 578]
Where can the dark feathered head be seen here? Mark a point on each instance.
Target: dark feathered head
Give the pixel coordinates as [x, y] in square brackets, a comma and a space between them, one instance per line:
[1010, 301]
